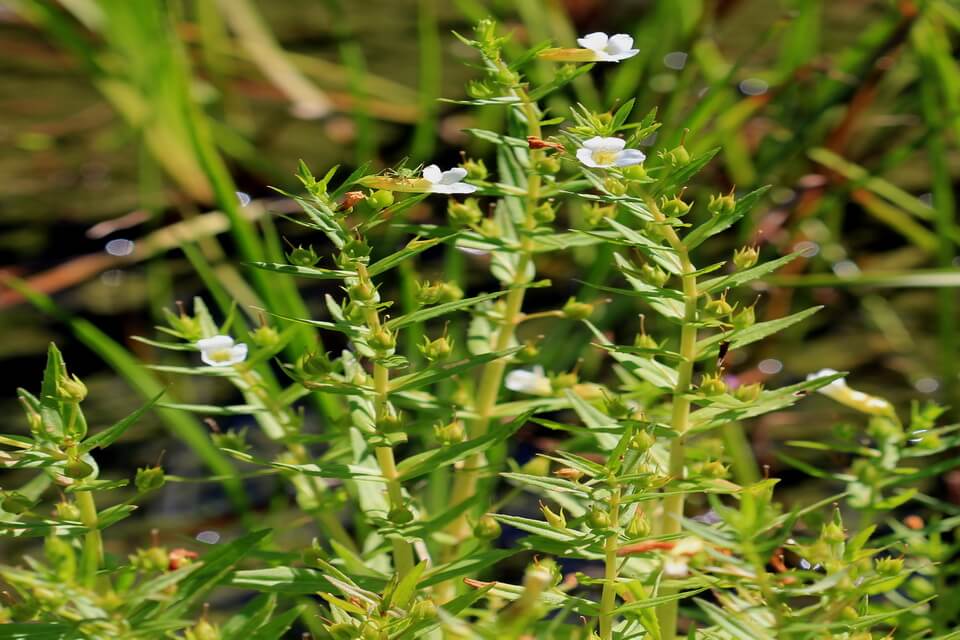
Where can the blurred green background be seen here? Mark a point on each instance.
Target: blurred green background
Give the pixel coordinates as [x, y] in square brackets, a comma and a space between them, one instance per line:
[140, 140]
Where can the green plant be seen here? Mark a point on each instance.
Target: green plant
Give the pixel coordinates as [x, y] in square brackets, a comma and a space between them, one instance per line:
[416, 433]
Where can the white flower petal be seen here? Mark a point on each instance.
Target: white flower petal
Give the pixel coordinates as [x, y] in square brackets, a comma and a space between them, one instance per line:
[525, 381]
[462, 187]
[597, 41]
[594, 144]
[608, 144]
[836, 388]
[617, 57]
[453, 176]
[675, 567]
[215, 343]
[629, 157]
[585, 156]
[432, 173]
[619, 43]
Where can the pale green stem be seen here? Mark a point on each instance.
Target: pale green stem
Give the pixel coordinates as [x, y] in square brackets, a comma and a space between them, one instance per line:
[608, 598]
[92, 554]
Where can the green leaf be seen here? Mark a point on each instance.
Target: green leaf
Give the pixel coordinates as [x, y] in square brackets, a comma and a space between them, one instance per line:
[741, 337]
[468, 565]
[666, 257]
[428, 313]
[414, 247]
[445, 370]
[253, 615]
[303, 272]
[742, 277]
[681, 176]
[406, 589]
[278, 627]
[286, 580]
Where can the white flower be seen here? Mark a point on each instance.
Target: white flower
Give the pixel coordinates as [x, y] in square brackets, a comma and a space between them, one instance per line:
[447, 181]
[525, 381]
[609, 48]
[840, 392]
[221, 351]
[601, 153]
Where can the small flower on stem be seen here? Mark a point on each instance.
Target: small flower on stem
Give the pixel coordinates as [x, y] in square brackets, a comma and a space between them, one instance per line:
[534, 382]
[450, 181]
[603, 153]
[221, 351]
[839, 391]
[596, 47]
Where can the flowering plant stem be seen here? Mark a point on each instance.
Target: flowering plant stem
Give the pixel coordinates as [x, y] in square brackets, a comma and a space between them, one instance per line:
[491, 376]
[609, 595]
[92, 554]
[680, 418]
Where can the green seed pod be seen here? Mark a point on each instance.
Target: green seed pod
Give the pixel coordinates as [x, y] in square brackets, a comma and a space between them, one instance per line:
[76, 468]
[598, 519]
[616, 407]
[464, 214]
[832, 533]
[265, 336]
[361, 292]
[748, 392]
[548, 165]
[487, 528]
[382, 340]
[203, 630]
[722, 204]
[438, 349]
[596, 212]
[562, 381]
[67, 511]
[400, 516]
[643, 341]
[71, 389]
[545, 213]
[555, 520]
[745, 257]
[424, 609]
[149, 479]
[635, 173]
[639, 525]
[314, 364]
[480, 89]
[717, 308]
[888, 566]
[614, 186]
[381, 199]
[746, 318]
[569, 473]
[452, 433]
[642, 441]
[16, 503]
[390, 422]
[653, 275]
[303, 257]
[673, 207]
[712, 384]
[476, 169]
[575, 310]
[713, 469]
[676, 157]
[449, 292]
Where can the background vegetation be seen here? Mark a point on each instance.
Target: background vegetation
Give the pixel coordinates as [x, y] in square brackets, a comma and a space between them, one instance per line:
[140, 139]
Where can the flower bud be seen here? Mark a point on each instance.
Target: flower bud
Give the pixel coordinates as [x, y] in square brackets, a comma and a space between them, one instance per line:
[596, 213]
[568, 473]
[537, 466]
[449, 292]
[643, 341]
[635, 172]
[712, 384]
[490, 229]
[389, 422]
[180, 557]
[203, 630]
[71, 389]
[562, 381]
[598, 519]
[642, 441]
[487, 528]
[748, 392]
[476, 169]
[438, 349]
[545, 213]
[746, 318]
[616, 407]
[361, 291]
[653, 275]
[314, 364]
[575, 310]
[67, 511]
[547, 165]
[480, 89]
[713, 469]
[350, 200]
[888, 566]
[382, 340]
[424, 609]
[639, 525]
[76, 468]
[555, 520]
[464, 214]
[16, 503]
[400, 515]
[832, 533]
[265, 336]
[676, 157]
[529, 352]
[149, 479]
[300, 257]
[717, 308]
[356, 249]
[722, 205]
[745, 257]
[614, 186]
[381, 199]
[451, 433]
[673, 207]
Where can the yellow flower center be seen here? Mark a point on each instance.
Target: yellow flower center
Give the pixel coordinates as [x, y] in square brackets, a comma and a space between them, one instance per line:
[221, 355]
[604, 157]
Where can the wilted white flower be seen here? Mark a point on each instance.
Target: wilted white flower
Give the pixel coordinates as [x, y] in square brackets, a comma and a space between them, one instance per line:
[608, 48]
[534, 382]
[840, 392]
[447, 181]
[602, 153]
[221, 351]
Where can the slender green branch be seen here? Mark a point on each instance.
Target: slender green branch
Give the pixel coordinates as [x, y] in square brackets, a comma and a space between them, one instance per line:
[92, 554]
[609, 595]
